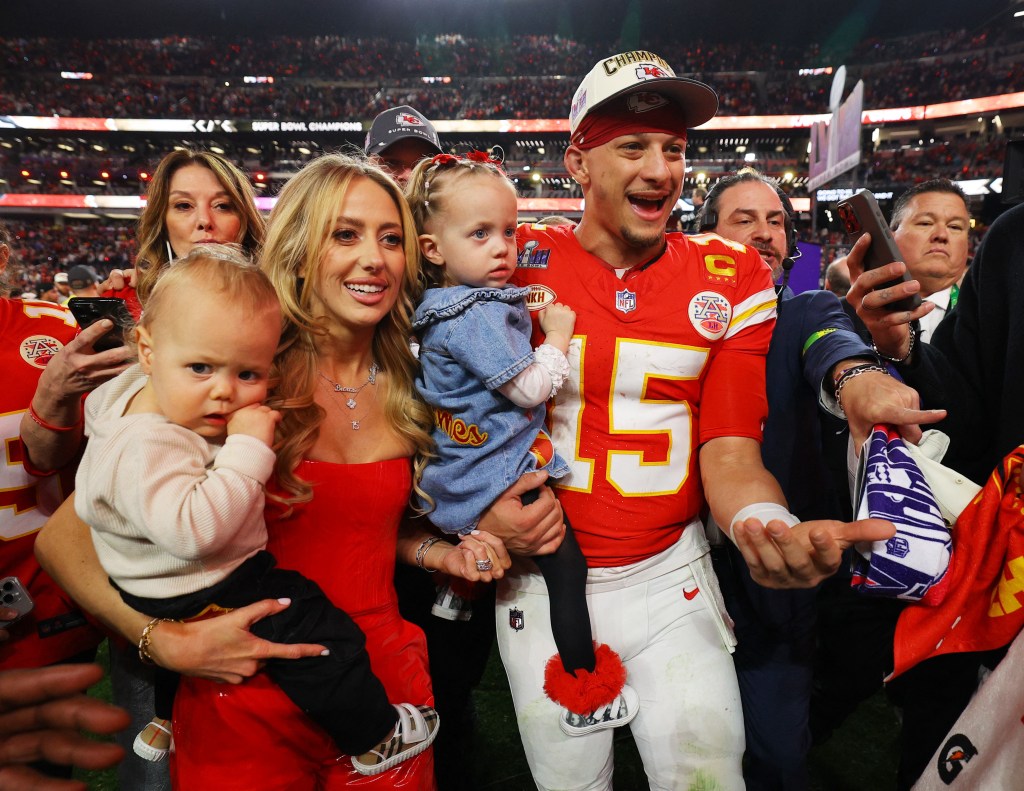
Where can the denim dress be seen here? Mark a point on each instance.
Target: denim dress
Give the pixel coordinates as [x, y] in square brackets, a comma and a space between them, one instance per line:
[472, 341]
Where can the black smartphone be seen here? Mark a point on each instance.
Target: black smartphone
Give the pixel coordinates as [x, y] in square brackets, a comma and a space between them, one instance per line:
[14, 596]
[860, 214]
[89, 310]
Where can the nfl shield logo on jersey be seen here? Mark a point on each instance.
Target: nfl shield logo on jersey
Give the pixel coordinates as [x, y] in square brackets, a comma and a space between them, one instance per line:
[516, 619]
[625, 300]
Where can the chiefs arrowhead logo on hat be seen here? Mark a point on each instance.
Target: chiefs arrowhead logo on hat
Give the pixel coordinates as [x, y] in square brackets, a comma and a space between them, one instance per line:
[644, 101]
[650, 71]
[399, 123]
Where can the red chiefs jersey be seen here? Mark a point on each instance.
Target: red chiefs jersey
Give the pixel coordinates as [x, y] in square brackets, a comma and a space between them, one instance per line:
[30, 334]
[662, 360]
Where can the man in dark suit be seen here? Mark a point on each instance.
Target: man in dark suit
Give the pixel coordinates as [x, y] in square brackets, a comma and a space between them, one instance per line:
[814, 352]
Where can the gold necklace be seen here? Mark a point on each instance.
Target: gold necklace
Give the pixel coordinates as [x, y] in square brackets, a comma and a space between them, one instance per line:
[353, 392]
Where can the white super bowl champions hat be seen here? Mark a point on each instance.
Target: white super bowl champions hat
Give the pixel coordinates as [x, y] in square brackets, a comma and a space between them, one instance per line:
[638, 73]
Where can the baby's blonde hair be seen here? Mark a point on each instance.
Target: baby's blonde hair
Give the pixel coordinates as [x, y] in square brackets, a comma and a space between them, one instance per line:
[224, 269]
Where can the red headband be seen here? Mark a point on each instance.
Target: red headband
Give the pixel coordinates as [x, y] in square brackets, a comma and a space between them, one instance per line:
[625, 117]
[446, 160]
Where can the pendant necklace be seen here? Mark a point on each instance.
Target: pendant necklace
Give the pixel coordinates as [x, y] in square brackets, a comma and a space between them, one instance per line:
[353, 392]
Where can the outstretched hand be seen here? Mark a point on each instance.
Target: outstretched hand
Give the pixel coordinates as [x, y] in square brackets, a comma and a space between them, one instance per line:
[804, 555]
[42, 714]
[222, 648]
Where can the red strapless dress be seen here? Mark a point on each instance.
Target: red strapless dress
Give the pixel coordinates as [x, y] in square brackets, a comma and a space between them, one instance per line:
[251, 736]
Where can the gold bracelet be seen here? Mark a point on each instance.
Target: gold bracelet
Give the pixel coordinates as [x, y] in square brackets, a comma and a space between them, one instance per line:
[421, 552]
[147, 636]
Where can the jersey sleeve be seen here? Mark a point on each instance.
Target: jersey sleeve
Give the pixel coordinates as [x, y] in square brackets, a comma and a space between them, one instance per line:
[733, 401]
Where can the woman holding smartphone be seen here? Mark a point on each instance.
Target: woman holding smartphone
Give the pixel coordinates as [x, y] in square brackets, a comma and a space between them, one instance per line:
[194, 197]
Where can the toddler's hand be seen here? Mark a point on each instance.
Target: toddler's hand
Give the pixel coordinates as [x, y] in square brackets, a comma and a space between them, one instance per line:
[558, 319]
[255, 420]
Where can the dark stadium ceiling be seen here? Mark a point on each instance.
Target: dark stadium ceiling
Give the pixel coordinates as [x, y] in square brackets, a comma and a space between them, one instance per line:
[629, 23]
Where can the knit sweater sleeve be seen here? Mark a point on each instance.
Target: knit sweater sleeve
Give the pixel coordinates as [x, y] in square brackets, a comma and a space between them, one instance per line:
[190, 508]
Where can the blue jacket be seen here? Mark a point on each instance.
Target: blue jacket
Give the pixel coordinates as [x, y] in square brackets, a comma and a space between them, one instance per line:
[811, 335]
[472, 341]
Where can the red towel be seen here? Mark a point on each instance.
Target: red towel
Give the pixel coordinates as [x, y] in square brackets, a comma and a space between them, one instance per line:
[984, 608]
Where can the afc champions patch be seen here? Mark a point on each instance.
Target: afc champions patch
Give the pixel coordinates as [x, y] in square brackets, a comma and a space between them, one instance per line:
[539, 297]
[37, 350]
[710, 314]
[515, 619]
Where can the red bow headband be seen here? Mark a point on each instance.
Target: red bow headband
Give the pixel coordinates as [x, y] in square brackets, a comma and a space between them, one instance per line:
[449, 160]
[446, 160]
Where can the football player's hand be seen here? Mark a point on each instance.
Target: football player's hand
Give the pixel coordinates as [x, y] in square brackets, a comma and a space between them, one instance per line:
[533, 529]
[804, 555]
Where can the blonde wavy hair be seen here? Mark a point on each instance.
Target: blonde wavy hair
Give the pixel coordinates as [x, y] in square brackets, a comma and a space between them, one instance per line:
[298, 234]
[151, 231]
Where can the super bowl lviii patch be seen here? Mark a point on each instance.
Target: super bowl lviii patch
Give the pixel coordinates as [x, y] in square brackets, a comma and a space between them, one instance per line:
[532, 256]
[710, 314]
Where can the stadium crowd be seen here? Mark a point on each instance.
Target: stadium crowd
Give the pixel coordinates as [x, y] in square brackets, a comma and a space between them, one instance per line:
[455, 77]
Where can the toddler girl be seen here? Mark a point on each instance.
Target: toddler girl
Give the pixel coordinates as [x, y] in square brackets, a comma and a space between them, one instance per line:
[488, 389]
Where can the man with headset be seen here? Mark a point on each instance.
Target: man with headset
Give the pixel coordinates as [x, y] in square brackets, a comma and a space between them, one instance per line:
[814, 352]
